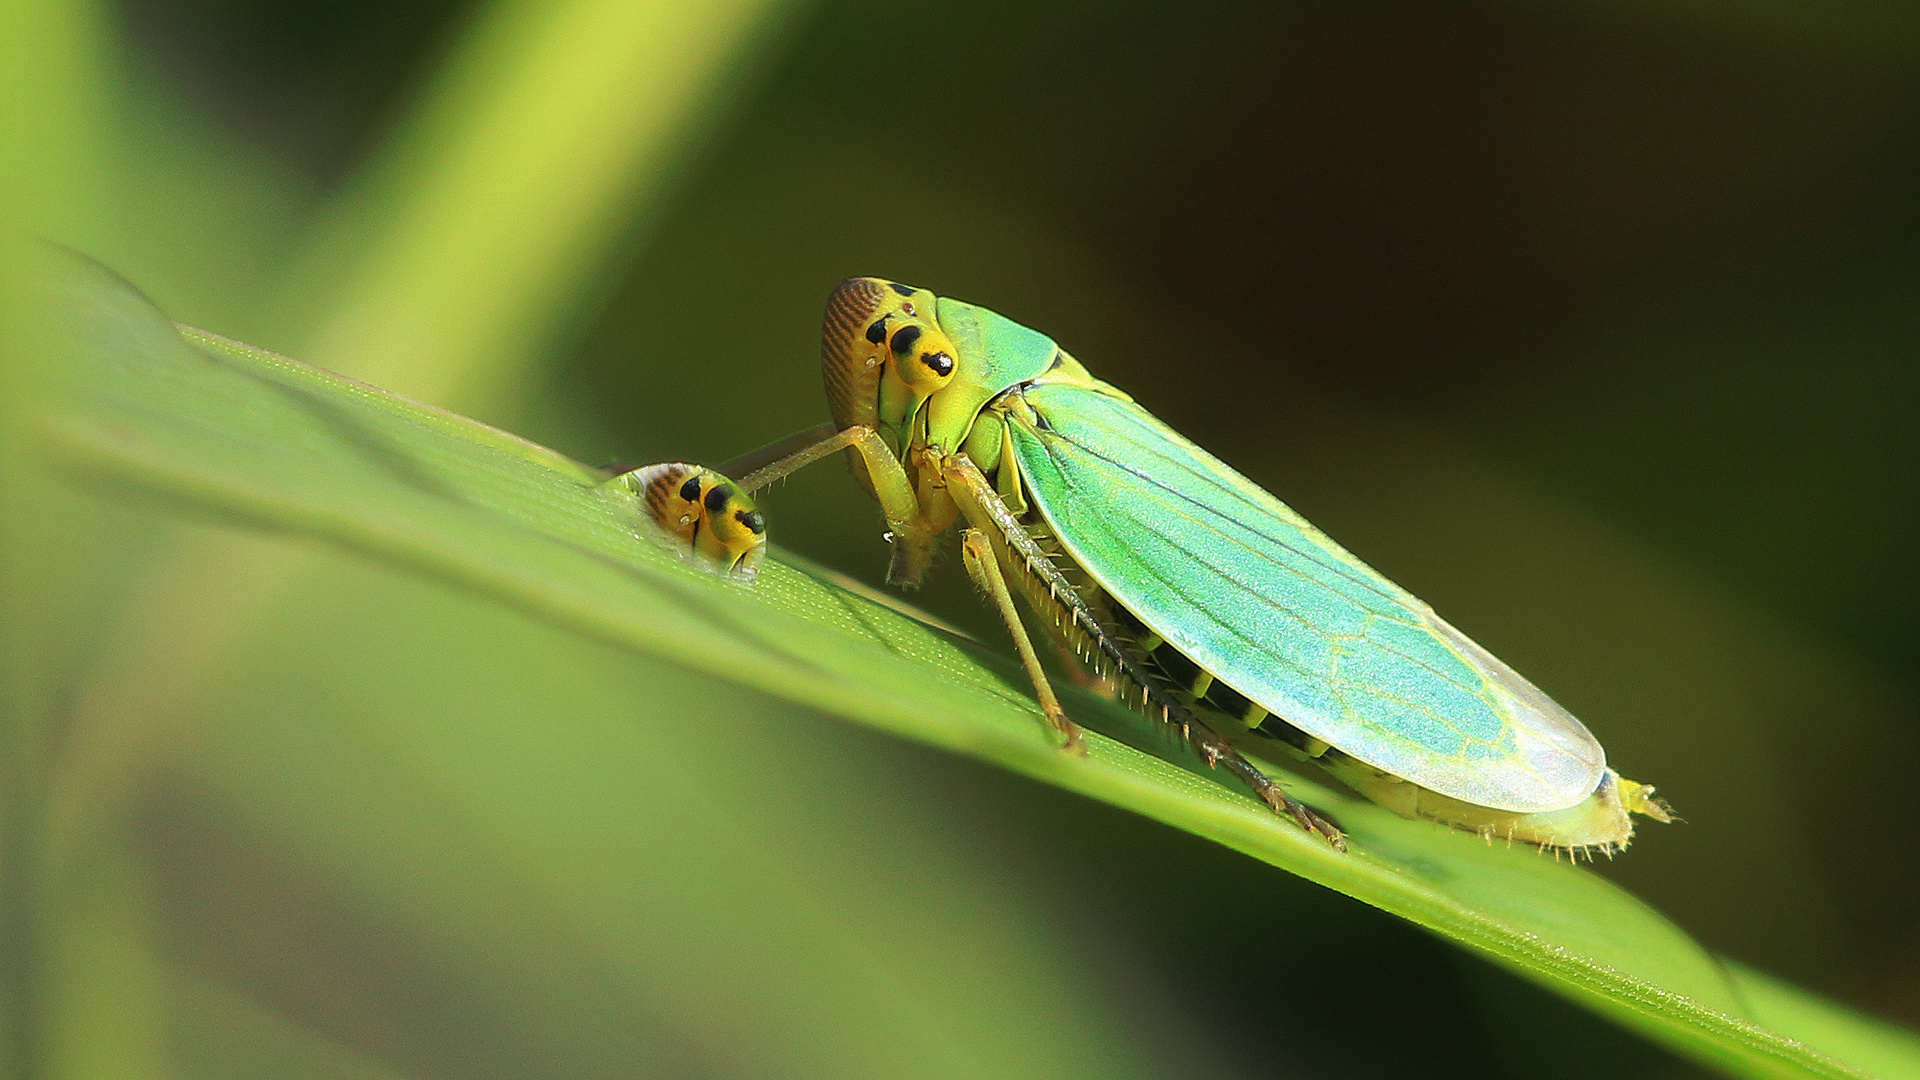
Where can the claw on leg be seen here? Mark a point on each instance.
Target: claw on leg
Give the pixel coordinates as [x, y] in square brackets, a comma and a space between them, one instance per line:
[1075, 742]
[1315, 822]
[1306, 817]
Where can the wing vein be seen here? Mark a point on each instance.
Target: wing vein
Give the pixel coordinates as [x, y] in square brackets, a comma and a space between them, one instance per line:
[1338, 569]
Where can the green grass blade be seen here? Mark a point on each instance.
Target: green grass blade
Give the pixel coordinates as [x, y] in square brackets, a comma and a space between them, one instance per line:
[220, 426]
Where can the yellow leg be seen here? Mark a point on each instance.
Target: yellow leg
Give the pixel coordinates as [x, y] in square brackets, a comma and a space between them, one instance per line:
[890, 482]
[756, 460]
[911, 526]
[984, 566]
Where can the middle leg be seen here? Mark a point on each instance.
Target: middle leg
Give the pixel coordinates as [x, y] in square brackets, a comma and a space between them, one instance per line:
[983, 564]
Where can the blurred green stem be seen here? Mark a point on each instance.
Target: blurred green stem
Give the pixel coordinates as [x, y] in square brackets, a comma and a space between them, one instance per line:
[473, 233]
[51, 88]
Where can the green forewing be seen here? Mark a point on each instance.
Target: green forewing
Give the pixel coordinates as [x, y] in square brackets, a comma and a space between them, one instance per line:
[1248, 589]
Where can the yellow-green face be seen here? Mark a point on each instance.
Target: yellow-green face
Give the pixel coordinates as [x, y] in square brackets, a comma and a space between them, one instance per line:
[883, 354]
[704, 516]
[919, 370]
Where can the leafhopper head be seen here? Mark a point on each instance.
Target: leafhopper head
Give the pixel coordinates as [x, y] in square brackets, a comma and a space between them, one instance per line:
[882, 353]
[703, 516]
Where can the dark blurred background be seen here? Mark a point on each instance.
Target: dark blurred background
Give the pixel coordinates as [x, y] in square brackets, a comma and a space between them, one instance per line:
[1592, 323]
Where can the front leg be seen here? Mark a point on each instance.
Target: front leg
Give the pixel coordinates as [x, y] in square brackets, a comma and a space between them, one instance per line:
[911, 527]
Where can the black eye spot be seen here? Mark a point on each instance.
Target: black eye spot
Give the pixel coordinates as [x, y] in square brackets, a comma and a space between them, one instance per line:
[904, 338]
[903, 290]
[878, 331]
[717, 498]
[940, 363]
[752, 520]
[690, 490]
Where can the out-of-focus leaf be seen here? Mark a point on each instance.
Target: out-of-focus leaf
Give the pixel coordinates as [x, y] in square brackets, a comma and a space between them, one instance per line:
[501, 850]
[77, 993]
[265, 439]
[1872, 1046]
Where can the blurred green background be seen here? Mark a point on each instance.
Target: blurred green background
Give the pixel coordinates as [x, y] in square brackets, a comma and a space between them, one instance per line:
[1592, 323]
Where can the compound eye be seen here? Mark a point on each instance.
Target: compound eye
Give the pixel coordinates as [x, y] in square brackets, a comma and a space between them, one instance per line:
[905, 338]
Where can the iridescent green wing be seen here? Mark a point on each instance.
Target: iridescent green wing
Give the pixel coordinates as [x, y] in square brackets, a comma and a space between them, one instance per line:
[1248, 589]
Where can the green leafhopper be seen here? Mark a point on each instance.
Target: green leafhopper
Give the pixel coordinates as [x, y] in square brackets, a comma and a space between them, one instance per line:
[1170, 575]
